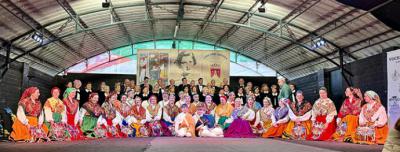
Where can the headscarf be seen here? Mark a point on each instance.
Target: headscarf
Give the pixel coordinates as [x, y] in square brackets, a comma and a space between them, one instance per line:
[28, 92]
[373, 96]
[67, 92]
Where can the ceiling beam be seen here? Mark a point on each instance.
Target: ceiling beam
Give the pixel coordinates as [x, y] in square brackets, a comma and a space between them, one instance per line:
[365, 41]
[149, 16]
[296, 12]
[212, 12]
[242, 20]
[30, 57]
[35, 25]
[78, 21]
[179, 17]
[121, 26]
[333, 25]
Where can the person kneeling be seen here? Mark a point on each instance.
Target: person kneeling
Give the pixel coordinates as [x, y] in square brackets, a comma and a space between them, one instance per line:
[240, 127]
[205, 123]
[184, 123]
[279, 121]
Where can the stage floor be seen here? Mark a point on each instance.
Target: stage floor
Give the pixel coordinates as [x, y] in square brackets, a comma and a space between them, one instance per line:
[174, 144]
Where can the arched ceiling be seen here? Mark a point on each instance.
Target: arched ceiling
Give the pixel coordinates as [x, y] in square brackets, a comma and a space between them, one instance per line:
[280, 38]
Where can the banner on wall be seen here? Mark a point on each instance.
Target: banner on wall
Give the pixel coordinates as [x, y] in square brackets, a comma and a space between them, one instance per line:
[177, 64]
[393, 90]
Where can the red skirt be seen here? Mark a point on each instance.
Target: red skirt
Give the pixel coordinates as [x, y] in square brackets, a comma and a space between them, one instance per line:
[77, 128]
[114, 131]
[326, 133]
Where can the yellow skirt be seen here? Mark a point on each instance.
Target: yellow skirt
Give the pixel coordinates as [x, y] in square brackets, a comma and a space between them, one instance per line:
[21, 131]
[288, 132]
[139, 131]
[350, 134]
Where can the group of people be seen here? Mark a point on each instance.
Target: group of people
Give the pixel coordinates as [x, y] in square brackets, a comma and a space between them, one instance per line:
[190, 110]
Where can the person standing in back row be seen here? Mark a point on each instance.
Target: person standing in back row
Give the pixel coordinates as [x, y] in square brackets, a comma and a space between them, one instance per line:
[284, 91]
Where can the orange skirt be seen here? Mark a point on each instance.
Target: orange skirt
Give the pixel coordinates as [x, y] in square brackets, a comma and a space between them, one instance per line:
[275, 131]
[288, 132]
[21, 131]
[350, 134]
[381, 134]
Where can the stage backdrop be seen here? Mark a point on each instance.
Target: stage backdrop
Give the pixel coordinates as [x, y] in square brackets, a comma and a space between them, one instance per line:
[393, 77]
[176, 64]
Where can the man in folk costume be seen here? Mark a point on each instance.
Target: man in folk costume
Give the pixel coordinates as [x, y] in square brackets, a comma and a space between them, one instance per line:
[299, 126]
[184, 123]
[205, 123]
[284, 91]
[139, 114]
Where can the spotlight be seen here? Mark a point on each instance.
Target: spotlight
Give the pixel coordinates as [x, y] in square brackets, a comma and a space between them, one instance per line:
[106, 4]
[37, 37]
[317, 43]
[261, 9]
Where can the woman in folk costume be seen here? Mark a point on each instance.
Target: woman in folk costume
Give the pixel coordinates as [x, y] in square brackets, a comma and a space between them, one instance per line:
[231, 98]
[181, 100]
[210, 105]
[347, 121]
[140, 115]
[323, 117]
[299, 126]
[164, 102]
[222, 113]
[264, 117]
[169, 113]
[205, 123]
[253, 104]
[73, 114]
[240, 127]
[126, 116]
[55, 115]
[91, 117]
[153, 117]
[184, 123]
[373, 121]
[112, 109]
[29, 117]
[279, 120]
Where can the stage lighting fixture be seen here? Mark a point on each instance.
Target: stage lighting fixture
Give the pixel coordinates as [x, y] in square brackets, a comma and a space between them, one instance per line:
[317, 43]
[261, 9]
[106, 4]
[37, 37]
